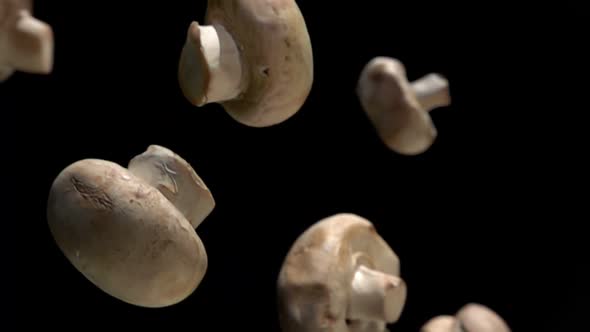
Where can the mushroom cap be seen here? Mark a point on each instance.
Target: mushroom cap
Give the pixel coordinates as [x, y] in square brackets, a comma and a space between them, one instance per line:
[177, 180]
[276, 56]
[391, 105]
[315, 279]
[475, 317]
[444, 323]
[123, 235]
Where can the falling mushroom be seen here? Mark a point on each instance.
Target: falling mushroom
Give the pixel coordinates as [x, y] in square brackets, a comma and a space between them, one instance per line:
[119, 229]
[472, 317]
[444, 323]
[254, 57]
[475, 317]
[340, 275]
[26, 43]
[399, 109]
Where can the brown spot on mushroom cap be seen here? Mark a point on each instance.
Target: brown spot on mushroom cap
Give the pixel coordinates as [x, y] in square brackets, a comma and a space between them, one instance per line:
[177, 180]
[137, 248]
[267, 32]
[391, 105]
[475, 317]
[314, 281]
[445, 323]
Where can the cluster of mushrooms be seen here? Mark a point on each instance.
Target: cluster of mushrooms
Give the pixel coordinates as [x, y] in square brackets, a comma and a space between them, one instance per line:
[131, 231]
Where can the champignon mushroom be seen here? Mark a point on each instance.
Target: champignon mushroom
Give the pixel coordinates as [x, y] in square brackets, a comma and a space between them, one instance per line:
[472, 317]
[254, 57]
[26, 43]
[444, 323]
[125, 235]
[475, 317]
[399, 109]
[340, 275]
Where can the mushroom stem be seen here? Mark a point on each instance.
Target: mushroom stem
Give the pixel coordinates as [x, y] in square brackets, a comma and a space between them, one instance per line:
[210, 66]
[28, 46]
[376, 296]
[432, 91]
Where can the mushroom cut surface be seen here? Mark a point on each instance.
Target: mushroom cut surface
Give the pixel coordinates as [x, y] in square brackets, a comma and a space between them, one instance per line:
[340, 275]
[123, 235]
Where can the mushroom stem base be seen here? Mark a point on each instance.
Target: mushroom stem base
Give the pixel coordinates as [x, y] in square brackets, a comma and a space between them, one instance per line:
[210, 65]
[376, 296]
[432, 91]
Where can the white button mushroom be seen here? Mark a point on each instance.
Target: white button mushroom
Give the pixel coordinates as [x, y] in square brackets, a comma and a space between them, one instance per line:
[470, 318]
[26, 43]
[254, 57]
[444, 323]
[125, 235]
[340, 275]
[399, 109]
[475, 317]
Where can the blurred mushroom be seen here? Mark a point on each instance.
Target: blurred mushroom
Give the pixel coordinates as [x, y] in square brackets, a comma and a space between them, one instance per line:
[124, 235]
[399, 109]
[338, 276]
[470, 318]
[254, 57]
[26, 43]
[475, 317]
[440, 324]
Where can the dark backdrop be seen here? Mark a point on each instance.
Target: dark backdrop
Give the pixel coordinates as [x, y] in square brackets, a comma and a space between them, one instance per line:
[488, 214]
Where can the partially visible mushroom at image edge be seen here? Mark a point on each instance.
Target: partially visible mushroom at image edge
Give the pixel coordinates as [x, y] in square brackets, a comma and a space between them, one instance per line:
[338, 276]
[254, 57]
[131, 232]
[472, 317]
[26, 43]
[399, 109]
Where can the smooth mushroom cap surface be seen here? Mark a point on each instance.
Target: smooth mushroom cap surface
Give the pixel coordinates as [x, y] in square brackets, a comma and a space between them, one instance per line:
[177, 180]
[26, 43]
[475, 317]
[276, 55]
[314, 284]
[445, 323]
[123, 235]
[391, 105]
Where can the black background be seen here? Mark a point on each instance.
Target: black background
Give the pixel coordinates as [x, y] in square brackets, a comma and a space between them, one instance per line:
[488, 214]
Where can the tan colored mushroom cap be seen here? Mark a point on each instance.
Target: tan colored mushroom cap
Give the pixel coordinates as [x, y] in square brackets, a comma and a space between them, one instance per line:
[399, 109]
[275, 53]
[26, 43]
[443, 323]
[177, 180]
[475, 317]
[123, 234]
[330, 262]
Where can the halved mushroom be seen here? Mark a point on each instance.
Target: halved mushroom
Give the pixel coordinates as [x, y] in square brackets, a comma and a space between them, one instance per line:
[340, 275]
[26, 43]
[254, 57]
[472, 317]
[124, 235]
[399, 109]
